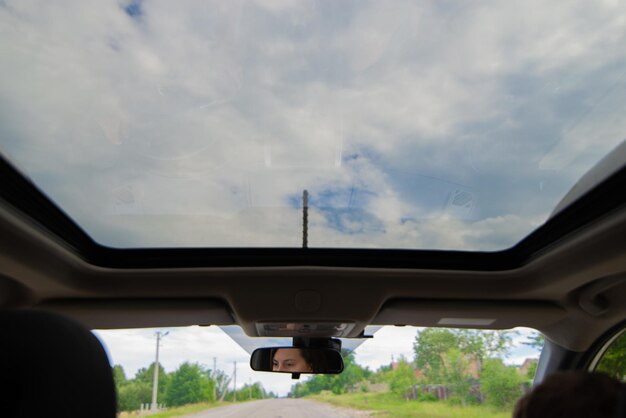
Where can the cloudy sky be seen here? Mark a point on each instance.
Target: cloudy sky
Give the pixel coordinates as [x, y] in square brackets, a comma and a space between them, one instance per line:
[134, 349]
[413, 124]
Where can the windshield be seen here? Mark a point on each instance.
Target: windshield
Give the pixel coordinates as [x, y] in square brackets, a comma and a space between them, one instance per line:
[461, 372]
[412, 124]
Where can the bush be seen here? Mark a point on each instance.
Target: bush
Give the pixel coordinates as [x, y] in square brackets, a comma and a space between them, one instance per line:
[131, 395]
[426, 397]
[456, 378]
[189, 384]
[402, 379]
[501, 385]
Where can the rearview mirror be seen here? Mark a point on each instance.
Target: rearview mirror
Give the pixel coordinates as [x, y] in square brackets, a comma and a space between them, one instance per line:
[297, 360]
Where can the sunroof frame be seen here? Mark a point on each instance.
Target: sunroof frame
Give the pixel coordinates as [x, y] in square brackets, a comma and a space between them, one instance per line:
[18, 193]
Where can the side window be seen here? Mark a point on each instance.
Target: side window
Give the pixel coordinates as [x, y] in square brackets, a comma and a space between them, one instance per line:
[613, 360]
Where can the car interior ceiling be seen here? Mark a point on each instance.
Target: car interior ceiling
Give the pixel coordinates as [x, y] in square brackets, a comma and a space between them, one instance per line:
[567, 279]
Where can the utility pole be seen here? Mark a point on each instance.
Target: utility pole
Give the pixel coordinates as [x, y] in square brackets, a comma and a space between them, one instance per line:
[305, 219]
[155, 381]
[215, 378]
[249, 388]
[235, 383]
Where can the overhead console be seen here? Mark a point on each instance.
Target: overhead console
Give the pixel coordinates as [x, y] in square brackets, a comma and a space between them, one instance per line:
[304, 329]
[141, 313]
[459, 314]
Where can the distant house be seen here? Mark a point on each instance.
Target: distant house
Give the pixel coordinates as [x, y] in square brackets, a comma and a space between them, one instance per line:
[526, 365]
[473, 366]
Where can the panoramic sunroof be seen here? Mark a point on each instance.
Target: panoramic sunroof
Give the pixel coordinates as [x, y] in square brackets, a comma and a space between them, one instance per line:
[422, 125]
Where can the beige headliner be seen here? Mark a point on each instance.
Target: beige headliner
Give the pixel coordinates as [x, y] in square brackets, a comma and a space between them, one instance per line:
[37, 271]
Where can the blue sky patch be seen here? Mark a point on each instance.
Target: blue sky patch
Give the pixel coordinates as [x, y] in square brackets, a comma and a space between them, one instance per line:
[344, 209]
[352, 221]
[134, 9]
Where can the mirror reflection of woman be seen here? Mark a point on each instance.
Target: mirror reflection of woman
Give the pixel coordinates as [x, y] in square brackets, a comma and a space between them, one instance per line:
[291, 360]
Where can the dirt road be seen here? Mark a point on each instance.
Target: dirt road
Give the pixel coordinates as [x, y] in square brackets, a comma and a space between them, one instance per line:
[280, 408]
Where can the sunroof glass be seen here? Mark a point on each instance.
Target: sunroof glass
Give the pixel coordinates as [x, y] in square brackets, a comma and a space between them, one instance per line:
[422, 125]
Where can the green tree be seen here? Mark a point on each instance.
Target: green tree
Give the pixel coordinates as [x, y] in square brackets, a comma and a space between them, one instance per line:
[429, 346]
[501, 385]
[382, 375]
[402, 378]
[189, 384]
[613, 361]
[432, 344]
[484, 343]
[299, 390]
[253, 391]
[119, 377]
[221, 381]
[454, 374]
[352, 375]
[146, 375]
[132, 394]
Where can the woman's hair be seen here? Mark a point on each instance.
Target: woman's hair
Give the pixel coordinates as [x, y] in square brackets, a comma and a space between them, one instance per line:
[316, 358]
[574, 395]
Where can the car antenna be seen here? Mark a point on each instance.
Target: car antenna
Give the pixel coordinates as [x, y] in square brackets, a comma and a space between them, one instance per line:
[305, 219]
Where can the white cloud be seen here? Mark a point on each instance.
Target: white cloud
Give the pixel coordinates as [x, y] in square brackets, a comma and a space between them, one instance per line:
[388, 342]
[521, 351]
[218, 113]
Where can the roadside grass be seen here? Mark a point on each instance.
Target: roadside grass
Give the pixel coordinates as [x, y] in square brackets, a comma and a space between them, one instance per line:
[386, 405]
[177, 412]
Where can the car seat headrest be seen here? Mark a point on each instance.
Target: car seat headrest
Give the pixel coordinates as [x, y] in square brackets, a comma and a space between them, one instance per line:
[53, 366]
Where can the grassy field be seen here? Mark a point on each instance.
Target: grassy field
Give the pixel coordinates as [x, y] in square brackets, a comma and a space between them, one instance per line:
[387, 406]
[177, 412]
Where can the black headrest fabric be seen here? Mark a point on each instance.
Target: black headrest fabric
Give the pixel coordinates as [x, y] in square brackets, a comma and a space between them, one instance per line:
[53, 367]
